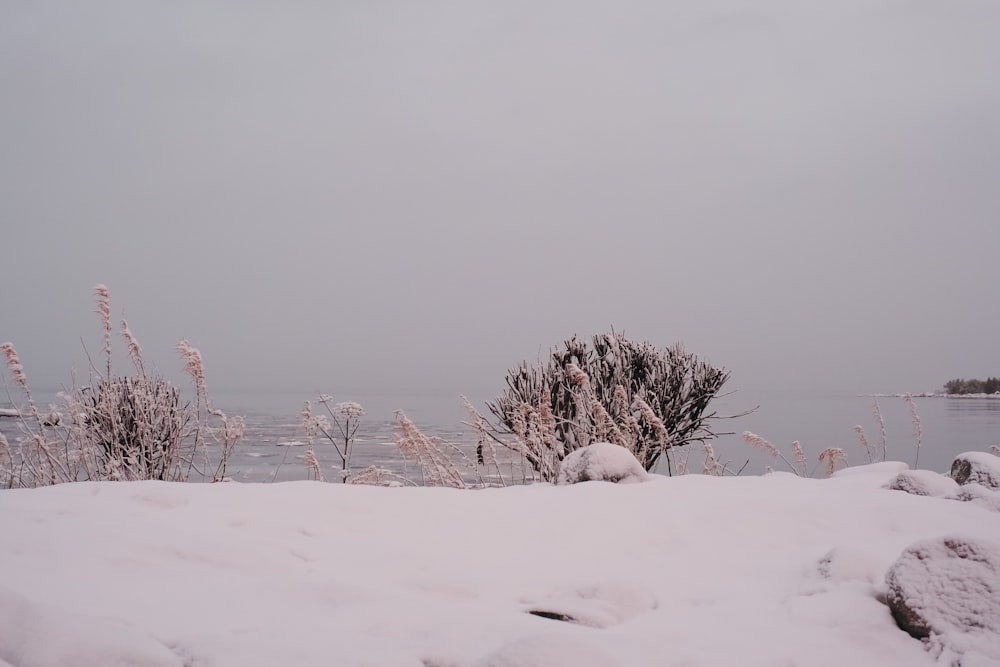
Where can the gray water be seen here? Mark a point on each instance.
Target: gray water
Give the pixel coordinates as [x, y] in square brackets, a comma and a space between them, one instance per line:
[274, 442]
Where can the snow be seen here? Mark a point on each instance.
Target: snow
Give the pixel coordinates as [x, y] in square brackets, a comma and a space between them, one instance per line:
[36, 635]
[602, 461]
[693, 570]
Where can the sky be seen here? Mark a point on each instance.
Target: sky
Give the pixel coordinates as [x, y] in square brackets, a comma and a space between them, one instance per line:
[375, 196]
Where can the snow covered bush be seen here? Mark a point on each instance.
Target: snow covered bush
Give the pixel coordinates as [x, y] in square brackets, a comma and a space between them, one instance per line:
[118, 427]
[645, 399]
[134, 425]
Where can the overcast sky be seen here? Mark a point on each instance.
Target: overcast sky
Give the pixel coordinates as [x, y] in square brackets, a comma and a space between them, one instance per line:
[395, 195]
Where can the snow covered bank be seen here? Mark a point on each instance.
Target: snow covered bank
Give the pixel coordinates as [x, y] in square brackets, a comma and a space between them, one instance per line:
[694, 570]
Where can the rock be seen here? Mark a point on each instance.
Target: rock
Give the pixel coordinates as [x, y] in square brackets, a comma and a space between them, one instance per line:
[923, 483]
[947, 590]
[601, 461]
[977, 467]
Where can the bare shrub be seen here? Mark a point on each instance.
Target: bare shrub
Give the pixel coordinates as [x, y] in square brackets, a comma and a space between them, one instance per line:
[135, 427]
[630, 393]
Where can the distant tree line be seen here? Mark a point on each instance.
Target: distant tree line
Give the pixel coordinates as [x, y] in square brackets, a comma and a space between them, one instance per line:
[988, 386]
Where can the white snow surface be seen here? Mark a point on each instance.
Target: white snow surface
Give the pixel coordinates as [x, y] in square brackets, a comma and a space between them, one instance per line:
[693, 570]
[601, 461]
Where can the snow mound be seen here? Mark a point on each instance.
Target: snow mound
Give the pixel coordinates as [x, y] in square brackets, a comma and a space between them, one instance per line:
[600, 606]
[549, 651]
[947, 590]
[35, 635]
[887, 468]
[923, 483]
[977, 494]
[848, 564]
[977, 467]
[601, 461]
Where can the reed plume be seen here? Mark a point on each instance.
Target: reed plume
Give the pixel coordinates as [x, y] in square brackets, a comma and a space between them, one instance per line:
[917, 430]
[832, 457]
[761, 443]
[863, 438]
[104, 312]
[193, 366]
[134, 350]
[800, 459]
[712, 465]
[435, 464]
[877, 413]
[765, 445]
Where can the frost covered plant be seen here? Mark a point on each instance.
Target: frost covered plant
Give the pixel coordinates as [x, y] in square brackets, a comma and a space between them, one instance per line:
[136, 426]
[434, 456]
[378, 476]
[917, 429]
[863, 438]
[877, 413]
[647, 399]
[339, 426]
[315, 472]
[117, 428]
[764, 445]
[800, 458]
[712, 465]
[832, 458]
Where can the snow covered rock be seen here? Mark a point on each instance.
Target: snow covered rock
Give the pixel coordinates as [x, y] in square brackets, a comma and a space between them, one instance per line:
[35, 635]
[923, 483]
[602, 461]
[549, 651]
[977, 494]
[947, 591]
[978, 468]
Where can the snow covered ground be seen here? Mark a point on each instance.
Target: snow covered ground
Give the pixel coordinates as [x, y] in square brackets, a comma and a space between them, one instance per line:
[692, 571]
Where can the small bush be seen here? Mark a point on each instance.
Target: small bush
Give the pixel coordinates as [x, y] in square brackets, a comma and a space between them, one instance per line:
[136, 427]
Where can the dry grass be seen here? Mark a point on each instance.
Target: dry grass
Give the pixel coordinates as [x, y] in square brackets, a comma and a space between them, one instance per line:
[833, 458]
[764, 445]
[917, 429]
[863, 438]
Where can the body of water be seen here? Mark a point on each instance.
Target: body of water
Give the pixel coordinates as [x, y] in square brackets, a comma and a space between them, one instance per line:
[275, 441]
